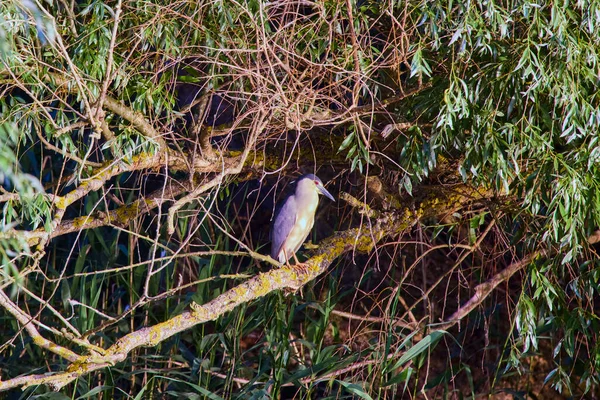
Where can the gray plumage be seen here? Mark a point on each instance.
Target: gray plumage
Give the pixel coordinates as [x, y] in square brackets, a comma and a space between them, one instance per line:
[282, 226]
[295, 218]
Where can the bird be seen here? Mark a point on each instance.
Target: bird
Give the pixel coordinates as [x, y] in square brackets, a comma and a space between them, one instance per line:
[295, 218]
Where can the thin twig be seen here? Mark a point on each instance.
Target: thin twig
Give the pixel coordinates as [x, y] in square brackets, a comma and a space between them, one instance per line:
[483, 290]
[64, 153]
[109, 63]
[218, 179]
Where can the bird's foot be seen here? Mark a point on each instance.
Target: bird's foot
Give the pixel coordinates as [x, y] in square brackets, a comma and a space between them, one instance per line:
[300, 267]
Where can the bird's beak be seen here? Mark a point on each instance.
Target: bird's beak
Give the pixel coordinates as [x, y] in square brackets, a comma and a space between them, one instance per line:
[325, 193]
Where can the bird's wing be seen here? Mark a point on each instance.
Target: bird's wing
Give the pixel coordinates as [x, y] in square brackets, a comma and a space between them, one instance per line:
[284, 221]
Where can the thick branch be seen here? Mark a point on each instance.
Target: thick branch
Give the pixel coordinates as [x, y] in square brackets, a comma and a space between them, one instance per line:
[362, 239]
[362, 207]
[136, 118]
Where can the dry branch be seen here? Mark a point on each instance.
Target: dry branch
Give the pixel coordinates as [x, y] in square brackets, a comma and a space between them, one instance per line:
[99, 177]
[299, 107]
[136, 118]
[483, 290]
[121, 216]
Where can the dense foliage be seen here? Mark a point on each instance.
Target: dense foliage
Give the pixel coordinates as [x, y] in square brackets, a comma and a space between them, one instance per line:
[144, 145]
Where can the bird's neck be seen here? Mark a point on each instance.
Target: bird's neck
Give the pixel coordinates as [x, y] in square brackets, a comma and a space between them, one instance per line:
[309, 199]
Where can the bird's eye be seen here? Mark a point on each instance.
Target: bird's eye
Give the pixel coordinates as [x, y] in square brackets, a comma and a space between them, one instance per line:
[316, 183]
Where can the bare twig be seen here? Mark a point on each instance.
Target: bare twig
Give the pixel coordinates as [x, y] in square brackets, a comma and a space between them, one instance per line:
[483, 290]
[137, 119]
[388, 129]
[64, 153]
[109, 63]
[368, 318]
[218, 179]
[69, 128]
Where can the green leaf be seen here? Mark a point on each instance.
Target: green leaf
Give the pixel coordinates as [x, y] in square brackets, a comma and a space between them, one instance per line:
[347, 141]
[427, 343]
[355, 389]
[403, 376]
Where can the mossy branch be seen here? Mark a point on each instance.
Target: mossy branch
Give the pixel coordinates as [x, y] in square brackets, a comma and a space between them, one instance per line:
[99, 177]
[362, 239]
[27, 322]
[121, 216]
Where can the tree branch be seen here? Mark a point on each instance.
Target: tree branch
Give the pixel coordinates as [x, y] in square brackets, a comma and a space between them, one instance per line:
[483, 290]
[362, 239]
[136, 119]
[38, 339]
[119, 217]
[261, 123]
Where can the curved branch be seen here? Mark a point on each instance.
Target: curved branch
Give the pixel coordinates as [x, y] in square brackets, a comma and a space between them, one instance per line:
[121, 216]
[483, 290]
[136, 118]
[100, 177]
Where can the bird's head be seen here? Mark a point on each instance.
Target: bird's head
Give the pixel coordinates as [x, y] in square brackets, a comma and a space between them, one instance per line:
[314, 183]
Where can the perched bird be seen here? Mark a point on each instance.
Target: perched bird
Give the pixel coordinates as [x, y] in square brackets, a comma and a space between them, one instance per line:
[295, 218]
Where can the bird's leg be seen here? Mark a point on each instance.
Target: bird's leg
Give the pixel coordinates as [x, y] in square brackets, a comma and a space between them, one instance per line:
[302, 267]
